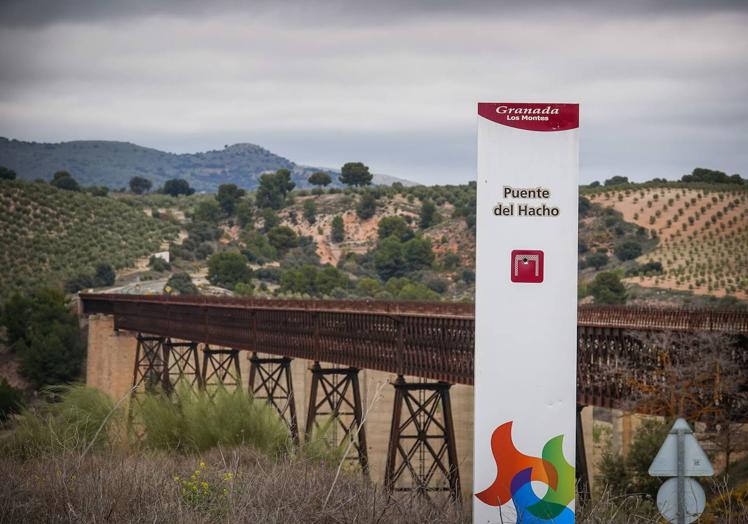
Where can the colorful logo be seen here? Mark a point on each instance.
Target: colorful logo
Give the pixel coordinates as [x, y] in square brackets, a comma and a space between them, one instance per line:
[516, 472]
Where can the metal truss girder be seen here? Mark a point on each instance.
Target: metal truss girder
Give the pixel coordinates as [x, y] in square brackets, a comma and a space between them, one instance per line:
[422, 446]
[220, 369]
[181, 365]
[270, 380]
[341, 400]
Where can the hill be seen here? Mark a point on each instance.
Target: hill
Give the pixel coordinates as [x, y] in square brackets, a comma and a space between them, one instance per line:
[50, 235]
[702, 232]
[112, 164]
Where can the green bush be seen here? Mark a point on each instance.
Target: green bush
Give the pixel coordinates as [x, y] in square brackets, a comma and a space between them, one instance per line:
[310, 211]
[597, 260]
[65, 181]
[282, 238]
[607, 288]
[428, 216]
[629, 475]
[337, 231]
[72, 419]
[273, 189]
[228, 269]
[394, 226]
[628, 250]
[158, 264]
[367, 206]
[45, 335]
[181, 283]
[197, 421]
[311, 280]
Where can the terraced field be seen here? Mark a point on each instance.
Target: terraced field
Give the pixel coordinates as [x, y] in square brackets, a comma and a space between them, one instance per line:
[49, 235]
[703, 236]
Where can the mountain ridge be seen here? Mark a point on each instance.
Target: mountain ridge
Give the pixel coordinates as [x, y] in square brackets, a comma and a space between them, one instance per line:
[112, 163]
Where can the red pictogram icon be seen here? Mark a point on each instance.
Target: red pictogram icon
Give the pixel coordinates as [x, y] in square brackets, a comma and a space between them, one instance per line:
[527, 266]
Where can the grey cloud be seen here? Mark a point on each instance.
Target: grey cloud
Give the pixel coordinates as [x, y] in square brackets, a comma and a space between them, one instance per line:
[660, 91]
[43, 12]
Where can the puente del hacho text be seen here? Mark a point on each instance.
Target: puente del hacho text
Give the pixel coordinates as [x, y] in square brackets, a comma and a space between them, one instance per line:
[396, 376]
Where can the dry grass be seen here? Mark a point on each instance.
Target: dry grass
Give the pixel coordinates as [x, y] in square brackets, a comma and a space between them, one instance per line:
[120, 487]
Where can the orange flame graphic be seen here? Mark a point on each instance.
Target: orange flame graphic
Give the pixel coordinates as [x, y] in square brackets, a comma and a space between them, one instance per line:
[509, 462]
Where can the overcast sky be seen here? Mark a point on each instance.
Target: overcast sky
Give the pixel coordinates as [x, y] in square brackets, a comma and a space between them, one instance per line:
[662, 90]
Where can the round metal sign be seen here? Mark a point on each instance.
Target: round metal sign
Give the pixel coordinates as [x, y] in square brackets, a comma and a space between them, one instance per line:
[667, 500]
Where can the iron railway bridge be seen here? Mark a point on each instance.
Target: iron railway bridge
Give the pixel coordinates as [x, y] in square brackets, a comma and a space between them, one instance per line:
[427, 346]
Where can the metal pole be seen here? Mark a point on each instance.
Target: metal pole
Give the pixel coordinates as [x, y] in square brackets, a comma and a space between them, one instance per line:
[681, 436]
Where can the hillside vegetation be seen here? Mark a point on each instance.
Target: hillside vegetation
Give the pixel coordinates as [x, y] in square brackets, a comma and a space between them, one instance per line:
[113, 164]
[703, 236]
[50, 235]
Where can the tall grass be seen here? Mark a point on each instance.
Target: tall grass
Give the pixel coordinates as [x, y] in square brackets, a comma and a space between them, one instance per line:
[72, 419]
[194, 421]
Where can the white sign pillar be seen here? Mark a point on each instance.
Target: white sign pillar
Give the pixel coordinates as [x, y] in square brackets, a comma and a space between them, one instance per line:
[526, 313]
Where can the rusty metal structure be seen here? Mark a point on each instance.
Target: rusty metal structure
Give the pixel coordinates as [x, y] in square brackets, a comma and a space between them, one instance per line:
[431, 342]
[270, 380]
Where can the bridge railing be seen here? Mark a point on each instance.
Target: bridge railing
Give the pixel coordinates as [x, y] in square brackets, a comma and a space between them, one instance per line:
[430, 340]
[433, 341]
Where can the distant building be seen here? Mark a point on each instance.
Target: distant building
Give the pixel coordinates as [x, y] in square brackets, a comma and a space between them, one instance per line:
[164, 255]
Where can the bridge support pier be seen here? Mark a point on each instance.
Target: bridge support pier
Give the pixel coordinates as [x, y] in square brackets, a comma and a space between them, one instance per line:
[340, 400]
[148, 372]
[583, 479]
[270, 380]
[181, 365]
[422, 455]
[220, 369]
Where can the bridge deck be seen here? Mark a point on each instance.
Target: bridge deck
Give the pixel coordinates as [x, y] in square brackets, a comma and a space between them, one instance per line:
[430, 340]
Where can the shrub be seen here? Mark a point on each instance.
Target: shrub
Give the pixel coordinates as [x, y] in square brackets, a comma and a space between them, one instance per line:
[607, 288]
[597, 260]
[64, 180]
[181, 283]
[628, 250]
[437, 285]
[269, 219]
[394, 226]
[416, 291]
[427, 216]
[313, 281]
[104, 276]
[320, 179]
[244, 214]
[468, 276]
[176, 187]
[72, 419]
[367, 206]
[140, 185]
[199, 421]
[158, 264]
[207, 211]
[282, 238]
[310, 211]
[7, 174]
[417, 253]
[450, 261]
[228, 196]
[337, 231]
[273, 189]
[228, 269]
[46, 336]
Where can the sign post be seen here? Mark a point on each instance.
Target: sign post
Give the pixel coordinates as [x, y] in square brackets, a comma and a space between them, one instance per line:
[525, 319]
[681, 499]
